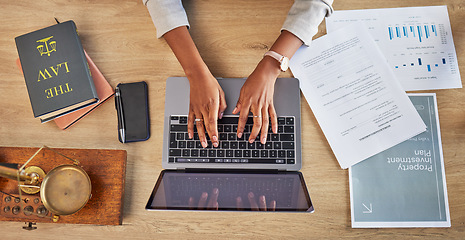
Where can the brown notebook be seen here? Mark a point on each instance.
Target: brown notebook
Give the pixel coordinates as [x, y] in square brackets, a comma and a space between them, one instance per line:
[104, 92]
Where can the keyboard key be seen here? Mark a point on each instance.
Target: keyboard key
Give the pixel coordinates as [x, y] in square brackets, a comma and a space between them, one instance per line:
[264, 153]
[229, 153]
[289, 129]
[269, 145]
[273, 153]
[180, 136]
[289, 121]
[173, 144]
[233, 145]
[276, 145]
[280, 161]
[227, 128]
[186, 153]
[178, 128]
[290, 153]
[274, 137]
[223, 136]
[183, 120]
[288, 145]
[203, 153]
[220, 153]
[246, 153]
[182, 144]
[212, 153]
[251, 145]
[175, 152]
[190, 144]
[238, 153]
[242, 145]
[225, 145]
[255, 153]
[282, 153]
[194, 152]
[286, 137]
[290, 161]
[231, 136]
[281, 120]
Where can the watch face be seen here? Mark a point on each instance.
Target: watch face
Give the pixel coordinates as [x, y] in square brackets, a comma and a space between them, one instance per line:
[284, 64]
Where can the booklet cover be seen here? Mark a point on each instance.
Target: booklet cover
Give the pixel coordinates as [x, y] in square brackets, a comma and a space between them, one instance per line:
[404, 186]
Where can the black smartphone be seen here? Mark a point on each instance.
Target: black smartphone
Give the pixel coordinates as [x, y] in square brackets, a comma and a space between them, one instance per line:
[132, 106]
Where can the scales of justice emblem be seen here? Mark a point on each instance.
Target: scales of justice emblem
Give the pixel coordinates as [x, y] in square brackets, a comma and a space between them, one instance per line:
[49, 46]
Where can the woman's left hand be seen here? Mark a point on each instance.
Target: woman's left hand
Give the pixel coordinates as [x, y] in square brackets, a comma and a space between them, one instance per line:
[256, 96]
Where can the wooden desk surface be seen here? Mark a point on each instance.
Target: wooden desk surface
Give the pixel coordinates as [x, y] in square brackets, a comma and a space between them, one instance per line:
[232, 37]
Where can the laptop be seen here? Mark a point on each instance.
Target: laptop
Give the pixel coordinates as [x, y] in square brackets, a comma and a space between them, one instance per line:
[239, 176]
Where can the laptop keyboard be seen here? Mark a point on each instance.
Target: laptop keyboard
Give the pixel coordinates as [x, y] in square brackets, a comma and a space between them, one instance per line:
[279, 147]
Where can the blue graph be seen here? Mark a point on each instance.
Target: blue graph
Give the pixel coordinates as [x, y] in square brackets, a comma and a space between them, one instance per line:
[421, 63]
[420, 32]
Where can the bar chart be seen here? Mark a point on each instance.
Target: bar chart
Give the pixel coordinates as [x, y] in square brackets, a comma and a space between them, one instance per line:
[419, 32]
[416, 41]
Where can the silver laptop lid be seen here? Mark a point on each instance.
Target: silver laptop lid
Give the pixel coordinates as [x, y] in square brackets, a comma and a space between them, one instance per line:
[286, 102]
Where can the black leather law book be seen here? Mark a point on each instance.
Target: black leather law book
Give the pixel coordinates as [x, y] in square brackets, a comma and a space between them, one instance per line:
[56, 72]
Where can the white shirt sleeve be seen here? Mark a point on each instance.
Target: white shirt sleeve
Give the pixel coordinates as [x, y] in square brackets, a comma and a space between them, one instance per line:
[302, 20]
[166, 15]
[305, 16]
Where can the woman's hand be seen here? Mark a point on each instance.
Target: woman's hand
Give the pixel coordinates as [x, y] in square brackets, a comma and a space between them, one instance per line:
[206, 106]
[257, 97]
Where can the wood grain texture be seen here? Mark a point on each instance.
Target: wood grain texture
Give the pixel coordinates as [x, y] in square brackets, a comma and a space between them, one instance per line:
[106, 170]
[232, 37]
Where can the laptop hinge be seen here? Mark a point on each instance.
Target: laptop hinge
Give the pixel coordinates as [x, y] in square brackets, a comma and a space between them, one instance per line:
[222, 170]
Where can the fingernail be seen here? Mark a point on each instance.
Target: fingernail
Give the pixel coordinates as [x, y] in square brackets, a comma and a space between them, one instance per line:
[239, 135]
[215, 138]
[190, 135]
[251, 140]
[204, 144]
[221, 115]
[263, 140]
[215, 144]
[235, 109]
[251, 195]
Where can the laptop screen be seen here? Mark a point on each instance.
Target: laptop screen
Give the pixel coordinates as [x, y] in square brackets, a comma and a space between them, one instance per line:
[226, 191]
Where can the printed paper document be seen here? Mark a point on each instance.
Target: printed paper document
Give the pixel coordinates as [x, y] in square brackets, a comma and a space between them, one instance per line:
[354, 95]
[416, 41]
[404, 186]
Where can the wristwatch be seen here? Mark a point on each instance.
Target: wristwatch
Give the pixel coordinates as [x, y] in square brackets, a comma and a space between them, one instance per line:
[283, 60]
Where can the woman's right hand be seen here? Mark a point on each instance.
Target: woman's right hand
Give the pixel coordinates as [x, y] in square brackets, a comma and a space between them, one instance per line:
[206, 106]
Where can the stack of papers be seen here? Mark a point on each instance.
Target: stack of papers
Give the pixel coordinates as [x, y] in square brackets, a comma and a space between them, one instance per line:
[355, 79]
[359, 104]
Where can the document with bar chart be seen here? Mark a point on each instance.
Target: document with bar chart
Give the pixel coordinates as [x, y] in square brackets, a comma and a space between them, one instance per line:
[416, 41]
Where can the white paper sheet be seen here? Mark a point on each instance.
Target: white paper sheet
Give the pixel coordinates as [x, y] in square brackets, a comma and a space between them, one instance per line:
[354, 95]
[416, 41]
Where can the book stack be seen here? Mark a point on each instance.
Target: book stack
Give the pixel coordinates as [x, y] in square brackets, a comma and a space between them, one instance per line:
[63, 83]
